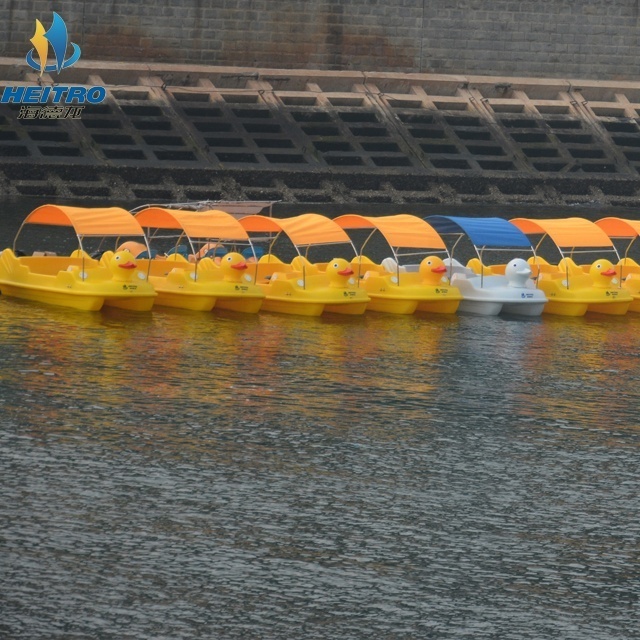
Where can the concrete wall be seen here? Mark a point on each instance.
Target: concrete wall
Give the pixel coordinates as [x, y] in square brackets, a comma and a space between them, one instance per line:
[559, 38]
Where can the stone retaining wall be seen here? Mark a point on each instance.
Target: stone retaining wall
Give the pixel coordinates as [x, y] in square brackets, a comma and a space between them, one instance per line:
[595, 39]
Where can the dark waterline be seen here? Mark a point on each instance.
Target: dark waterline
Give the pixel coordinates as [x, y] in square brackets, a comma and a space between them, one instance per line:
[182, 475]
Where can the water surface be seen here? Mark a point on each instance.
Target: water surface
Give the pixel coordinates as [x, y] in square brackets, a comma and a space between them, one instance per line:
[182, 475]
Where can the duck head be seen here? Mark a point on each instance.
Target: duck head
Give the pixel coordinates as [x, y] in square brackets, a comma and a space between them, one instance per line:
[122, 265]
[603, 274]
[340, 273]
[518, 273]
[433, 270]
[233, 266]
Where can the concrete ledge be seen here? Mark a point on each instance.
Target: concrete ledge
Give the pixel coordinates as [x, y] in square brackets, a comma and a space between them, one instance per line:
[187, 132]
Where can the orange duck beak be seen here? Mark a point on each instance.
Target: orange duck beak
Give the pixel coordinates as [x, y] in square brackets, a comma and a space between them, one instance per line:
[128, 265]
[346, 272]
[439, 269]
[609, 272]
[240, 266]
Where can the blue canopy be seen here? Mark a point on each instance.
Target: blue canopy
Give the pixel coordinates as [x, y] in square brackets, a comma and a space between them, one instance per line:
[483, 232]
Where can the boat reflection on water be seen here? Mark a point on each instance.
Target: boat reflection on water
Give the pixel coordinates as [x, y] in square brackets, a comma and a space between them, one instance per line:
[579, 373]
[174, 370]
[402, 467]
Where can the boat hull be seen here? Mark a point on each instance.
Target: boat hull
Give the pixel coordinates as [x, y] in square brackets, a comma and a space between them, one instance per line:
[353, 308]
[492, 295]
[397, 306]
[180, 286]
[292, 293]
[71, 282]
[635, 304]
[580, 300]
[480, 307]
[132, 303]
[191, 302]
[81, 301]
[240, 305]
[610, 308]
[519, 309]
[405, 293]
[292, 307]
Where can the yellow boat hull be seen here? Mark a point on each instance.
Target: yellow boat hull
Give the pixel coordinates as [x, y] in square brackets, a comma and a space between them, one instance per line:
[635, 304]
[71, 282]
[181, 286]
[387, 304]
[405, 293]
[82, 301]
[579, 300]
[289, 292]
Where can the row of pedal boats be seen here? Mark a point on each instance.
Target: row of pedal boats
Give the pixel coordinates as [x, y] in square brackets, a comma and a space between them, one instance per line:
[219, 260]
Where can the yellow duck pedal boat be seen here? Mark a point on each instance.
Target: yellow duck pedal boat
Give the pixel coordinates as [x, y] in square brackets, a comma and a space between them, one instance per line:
[397, 289]
[301, 288]
[574, 290]
[304, 288]
[628, 269]
[402, 292]
[201, 282]
[78, 281]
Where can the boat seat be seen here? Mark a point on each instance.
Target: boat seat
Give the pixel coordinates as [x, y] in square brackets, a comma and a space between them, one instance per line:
[479, 268]
[79, 253]
[215, 252]
[133, 247]
[249, 255]
[567, 265]
[177, 257]
[265, 270]
[300, 263]
[540, 267]
[269, 258]
[456, 268]
[363, 265]
[145, 255]
[390, 265]
[180, 250]
[628, 267]
[105, 258]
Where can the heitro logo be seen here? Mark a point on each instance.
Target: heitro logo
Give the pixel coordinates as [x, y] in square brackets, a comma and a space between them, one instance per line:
[55, 100]
[58, 38]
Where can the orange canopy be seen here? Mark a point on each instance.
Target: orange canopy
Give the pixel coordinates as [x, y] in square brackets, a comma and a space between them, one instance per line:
[566, 232]
[401, 230]
[619, 227]
[111, 221]
[196, 224]
[305, 229]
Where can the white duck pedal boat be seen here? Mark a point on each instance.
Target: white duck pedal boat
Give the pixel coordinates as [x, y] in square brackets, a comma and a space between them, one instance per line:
[484, 291]
[488, 294]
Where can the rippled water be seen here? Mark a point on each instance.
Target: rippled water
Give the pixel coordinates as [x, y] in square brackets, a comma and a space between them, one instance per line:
[177, 475]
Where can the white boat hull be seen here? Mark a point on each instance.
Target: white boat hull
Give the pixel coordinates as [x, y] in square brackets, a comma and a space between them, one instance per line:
[492, 295]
